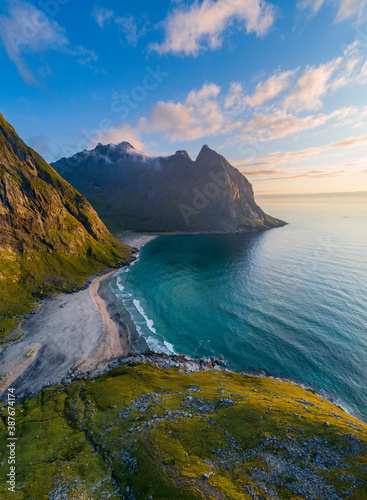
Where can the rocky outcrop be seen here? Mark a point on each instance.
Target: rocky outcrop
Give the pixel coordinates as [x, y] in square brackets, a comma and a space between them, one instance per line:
[38, 209]
[133, 191]
[51, 239]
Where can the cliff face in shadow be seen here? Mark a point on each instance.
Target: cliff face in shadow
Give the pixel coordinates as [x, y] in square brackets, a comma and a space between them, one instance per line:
[133, 191]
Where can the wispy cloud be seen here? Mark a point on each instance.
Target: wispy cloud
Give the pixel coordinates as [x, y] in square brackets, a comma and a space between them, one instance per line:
[266, 167]
[283, 104]
[312, 85]
[280, 124]
[306, 94]
[271, 88]
[281, 175]
[345, 8]
[189, 30]
[265, 91]
[351, 142]
[289, 157]
[102, 15]
[85, 56]
[352, 70]
[26, 29]
[268, 173]
[131, 27]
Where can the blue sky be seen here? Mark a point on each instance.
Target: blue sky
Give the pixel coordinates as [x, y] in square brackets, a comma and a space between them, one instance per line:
[279, 88]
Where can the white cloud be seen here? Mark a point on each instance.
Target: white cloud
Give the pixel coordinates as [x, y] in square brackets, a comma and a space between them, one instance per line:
[346, 8]
[307, 93]
[312, 85]
[211, 112]
[123, 132]
[237, 100]
[197, 116]
[348, 74]
[188, 30]
[279, 124]
[353, 69]
[234, 98]
[272, 87]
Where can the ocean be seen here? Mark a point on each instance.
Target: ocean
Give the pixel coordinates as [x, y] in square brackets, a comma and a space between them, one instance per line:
[290, 302]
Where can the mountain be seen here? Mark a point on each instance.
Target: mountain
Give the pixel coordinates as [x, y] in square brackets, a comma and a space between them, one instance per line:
[131, 190]
[51, 238]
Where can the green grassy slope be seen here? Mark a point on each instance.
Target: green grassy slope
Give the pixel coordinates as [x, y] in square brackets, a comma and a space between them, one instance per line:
[51, 239]
[143, 432]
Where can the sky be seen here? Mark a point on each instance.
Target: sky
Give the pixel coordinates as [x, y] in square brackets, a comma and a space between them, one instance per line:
[277, 87]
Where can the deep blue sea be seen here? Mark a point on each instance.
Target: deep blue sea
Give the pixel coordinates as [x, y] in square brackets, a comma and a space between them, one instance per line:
[291, 301]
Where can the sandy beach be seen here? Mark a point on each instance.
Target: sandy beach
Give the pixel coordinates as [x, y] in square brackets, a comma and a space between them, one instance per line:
[137, 240]
[73, 331]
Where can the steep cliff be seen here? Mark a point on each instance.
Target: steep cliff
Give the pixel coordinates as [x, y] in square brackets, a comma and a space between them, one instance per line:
[50, 236]
[133, 191]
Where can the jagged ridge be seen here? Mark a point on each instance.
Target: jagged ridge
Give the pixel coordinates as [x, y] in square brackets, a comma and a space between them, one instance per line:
[131, 190]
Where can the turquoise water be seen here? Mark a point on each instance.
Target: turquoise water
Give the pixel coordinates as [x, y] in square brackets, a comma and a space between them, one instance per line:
[291, 301]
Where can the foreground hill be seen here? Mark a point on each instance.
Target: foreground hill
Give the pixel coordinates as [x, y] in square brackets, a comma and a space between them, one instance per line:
[51, 238]
[152, 431]
[134, 191]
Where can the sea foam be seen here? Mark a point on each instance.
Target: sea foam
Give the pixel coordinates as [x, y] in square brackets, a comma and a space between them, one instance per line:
[143, 324]
[148, 321]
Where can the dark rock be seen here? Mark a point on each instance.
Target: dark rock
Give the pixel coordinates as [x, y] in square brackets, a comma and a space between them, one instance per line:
[174, 193]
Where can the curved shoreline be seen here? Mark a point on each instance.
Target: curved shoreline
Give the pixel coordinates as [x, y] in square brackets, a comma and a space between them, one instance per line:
[107, 343]
[67, 332]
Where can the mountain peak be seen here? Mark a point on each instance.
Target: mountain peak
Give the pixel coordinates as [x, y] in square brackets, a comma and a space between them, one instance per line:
[206, 154]
[169, 193]
[183, 152]
[125, 145]
[122, 146]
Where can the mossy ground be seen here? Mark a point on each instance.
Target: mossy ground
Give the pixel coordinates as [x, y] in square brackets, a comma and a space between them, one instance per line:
[143, 432]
